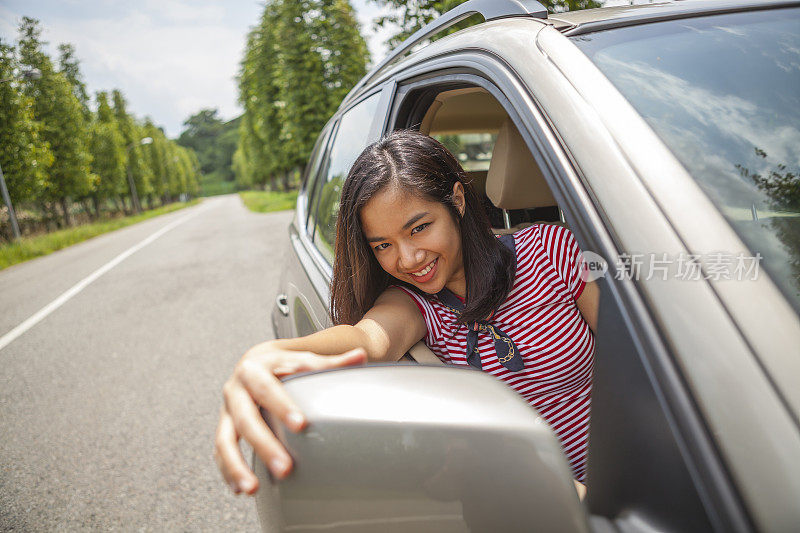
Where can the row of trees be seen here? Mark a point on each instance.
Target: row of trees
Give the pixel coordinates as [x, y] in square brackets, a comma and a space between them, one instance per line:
[55, 150]
[300, 61]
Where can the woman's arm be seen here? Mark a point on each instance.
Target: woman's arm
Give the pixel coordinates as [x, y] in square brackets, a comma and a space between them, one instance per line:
[386, 332]
[589, 303]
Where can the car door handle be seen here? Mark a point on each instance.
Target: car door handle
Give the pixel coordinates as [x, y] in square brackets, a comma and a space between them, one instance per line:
[282, 302]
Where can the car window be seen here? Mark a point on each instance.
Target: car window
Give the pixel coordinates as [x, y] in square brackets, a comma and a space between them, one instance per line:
[351, 138]
[313, 169]
[473, 150]
[723, 92]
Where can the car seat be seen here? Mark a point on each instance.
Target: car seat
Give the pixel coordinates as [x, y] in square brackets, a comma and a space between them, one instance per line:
[515, 182]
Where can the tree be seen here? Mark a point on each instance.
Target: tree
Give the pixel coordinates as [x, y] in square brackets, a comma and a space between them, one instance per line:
[343, 49]
[70, 67]
[260, 85]
[412, 15]
[226, 146]
[302, 92]
[157, 154]
[299, 63]
[108, 150]
[214, 142]
[322, 57]
[133, 134]
[24, 155]
[64, 125]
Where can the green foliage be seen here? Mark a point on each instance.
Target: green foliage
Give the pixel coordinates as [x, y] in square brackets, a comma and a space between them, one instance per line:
[64, 124]
[299, 63]
[214, 142]
[24, 155]
[108, 150]
[258, 157]
[412, 15]
[214, 188]
[70, 67]
[268, 201]
[133, 133]
[155, 155]
[55, 150]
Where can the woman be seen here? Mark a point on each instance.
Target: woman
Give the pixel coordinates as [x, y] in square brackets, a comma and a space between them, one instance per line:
[416, 258]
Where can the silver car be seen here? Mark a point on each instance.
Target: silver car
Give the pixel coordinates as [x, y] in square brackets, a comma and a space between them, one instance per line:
[667, 137]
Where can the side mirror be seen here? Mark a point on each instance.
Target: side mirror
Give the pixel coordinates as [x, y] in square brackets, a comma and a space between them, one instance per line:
[395, 448]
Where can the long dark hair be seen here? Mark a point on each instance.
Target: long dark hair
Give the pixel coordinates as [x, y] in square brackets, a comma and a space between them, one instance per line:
[419, 165]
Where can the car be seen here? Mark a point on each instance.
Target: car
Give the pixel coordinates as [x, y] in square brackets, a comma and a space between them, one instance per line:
[667, 138]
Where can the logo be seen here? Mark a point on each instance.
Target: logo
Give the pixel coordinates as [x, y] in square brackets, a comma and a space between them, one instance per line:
[593, 266]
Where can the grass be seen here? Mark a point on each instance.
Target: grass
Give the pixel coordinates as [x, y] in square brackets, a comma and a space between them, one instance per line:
[213, 184]
[36, 246]
[215, 188]
[268, 201]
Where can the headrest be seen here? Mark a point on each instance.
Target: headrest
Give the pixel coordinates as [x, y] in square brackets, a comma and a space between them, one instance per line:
[467, 110]
[514, 180]
[477, 178]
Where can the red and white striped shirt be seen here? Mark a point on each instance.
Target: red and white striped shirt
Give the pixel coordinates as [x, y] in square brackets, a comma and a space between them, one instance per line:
[542, 319]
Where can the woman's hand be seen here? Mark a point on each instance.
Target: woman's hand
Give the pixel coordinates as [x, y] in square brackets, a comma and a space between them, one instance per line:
[255, 382]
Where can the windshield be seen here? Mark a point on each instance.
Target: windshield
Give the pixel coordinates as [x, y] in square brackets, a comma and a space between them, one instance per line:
[723, 92]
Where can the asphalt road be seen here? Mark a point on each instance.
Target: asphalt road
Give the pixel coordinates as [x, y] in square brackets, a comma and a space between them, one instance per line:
[108, 404]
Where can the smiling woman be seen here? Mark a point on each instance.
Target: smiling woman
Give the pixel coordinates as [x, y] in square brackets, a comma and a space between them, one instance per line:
[416, 259]
[390, 185]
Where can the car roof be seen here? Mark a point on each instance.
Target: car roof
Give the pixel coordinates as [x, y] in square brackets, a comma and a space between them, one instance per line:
[584, 21]
[576, 23]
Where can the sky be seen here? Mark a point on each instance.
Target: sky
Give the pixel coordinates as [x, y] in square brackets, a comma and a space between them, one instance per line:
[170, 58]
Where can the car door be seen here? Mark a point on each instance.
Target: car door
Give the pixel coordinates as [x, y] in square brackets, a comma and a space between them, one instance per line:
[302, 302]
[640, 473]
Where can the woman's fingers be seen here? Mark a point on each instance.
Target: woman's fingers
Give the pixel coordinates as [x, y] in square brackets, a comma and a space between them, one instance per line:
[256, 383]
[251, 426]
[229, 457]
[357, 356]
[308, 362]
[268, 392]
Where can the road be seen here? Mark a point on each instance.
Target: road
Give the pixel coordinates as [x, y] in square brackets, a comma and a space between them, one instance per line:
[108, 404]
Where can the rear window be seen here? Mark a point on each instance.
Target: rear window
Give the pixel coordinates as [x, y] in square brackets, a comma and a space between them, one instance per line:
[723, 92]
[473, 150]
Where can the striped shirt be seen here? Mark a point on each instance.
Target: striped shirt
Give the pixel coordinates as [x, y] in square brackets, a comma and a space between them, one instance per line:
[542, 319]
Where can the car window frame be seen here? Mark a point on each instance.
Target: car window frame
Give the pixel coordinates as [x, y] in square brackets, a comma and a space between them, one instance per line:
[322, 169]
[312, 173]
[375, 130]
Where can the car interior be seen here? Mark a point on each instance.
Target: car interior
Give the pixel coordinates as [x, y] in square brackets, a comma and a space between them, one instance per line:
[504, 174]
[473, 125]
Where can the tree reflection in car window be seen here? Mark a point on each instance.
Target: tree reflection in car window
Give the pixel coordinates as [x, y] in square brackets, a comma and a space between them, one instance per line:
[351, 139]
[723, 92]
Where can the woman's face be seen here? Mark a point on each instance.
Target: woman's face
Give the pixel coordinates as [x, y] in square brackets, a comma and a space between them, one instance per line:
[416, 240]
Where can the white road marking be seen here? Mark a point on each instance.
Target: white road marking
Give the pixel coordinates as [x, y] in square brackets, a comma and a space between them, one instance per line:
[42, 313]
